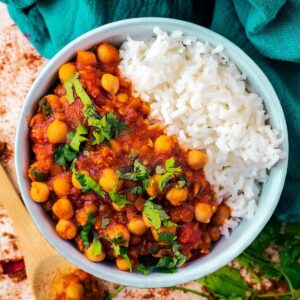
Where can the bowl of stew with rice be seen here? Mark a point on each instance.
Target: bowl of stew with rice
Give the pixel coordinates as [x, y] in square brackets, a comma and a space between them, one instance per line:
[108, 187]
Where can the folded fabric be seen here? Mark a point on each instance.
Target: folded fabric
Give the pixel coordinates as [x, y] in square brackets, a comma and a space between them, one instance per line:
[268, 31]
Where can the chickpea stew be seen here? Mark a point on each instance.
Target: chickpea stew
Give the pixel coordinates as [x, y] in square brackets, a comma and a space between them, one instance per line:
[114, 184]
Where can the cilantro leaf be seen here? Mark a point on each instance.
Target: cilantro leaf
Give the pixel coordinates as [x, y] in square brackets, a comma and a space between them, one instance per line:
[140, 172]
[166, 237]
[115, 244]
[97, 246]
[169, 223]
[226, 282]
[182, 182]
[144, 269]
[38, 175]
[138, 190]
[167, 173]
[118, 199]
[84, 233]
[78, 137]
[88, 184]
[167, 264]
[181, 258]
[124, 254]
[44, 107]
[155, 214]
[68, 85]
[107, 127]
[64, 154]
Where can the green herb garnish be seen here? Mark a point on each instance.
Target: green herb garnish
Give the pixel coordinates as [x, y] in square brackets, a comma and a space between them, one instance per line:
[133, 154]
[89, 184]
[105, 222]
[166, 237]
[38, 175]
[85, 231]
[97, 246]
[169, 223]
[44, 107]
[138, 190]
[77, 137]
[124, 254]
[115, 243]
[64, 154]
[118, 198]
[167, 173]
[155, 213]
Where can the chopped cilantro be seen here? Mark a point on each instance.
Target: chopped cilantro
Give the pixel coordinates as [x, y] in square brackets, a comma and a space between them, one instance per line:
[78, 137]
[44, 107]
[166, 237]
[124, 254]
[153, 250]
[115, 244]
[167, 173]
[89, 184]
[118, 199]
[85, 231]
[97, 246]
[64, 154]
[107, 127]
[140, 172]
[182, 182]
[138, 190]
[169, 223]
[68, 85]
[38, 175]
[155, 213]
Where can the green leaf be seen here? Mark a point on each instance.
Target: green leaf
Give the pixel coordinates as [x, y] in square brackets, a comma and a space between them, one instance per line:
[84, 233]
[160, 170]
[68, 85]
[44, 107]
[89, 184]
[38, 175]
[167, 264]
[163, 180]
[170, 166]
[169, 223]
[138, 190]
[105, 222]
[64, 154]
[118, 198]
[107, 127]
[144, 269]
[226, 282]
[166, 237]
[155, 214]
[182, 182]
[115, 244]
[97, 246]
[124, 254]
[78, 137]
[181, 258]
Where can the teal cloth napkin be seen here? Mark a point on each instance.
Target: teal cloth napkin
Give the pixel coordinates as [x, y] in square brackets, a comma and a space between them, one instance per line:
[267, 30]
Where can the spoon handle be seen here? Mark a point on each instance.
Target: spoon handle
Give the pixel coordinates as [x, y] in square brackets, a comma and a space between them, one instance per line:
[29, 236]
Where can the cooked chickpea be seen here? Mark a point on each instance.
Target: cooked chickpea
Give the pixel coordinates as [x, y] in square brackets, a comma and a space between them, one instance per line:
[177, 196]
[95, 258]
[146, 220]
[119, 230]
[110, 83]
[122, 264]
[222, 214]
[81, 216]
[66, 229]
[203, 212]
[75, 291]
[62, 186]
[196, 159]
[214, 233]
[122, 97]
[107, 53]
[57, 132]
[115, 145]
[163, 144]
[108, 180]
[53, 101]
[39, 191]
[75, 182]
[117, 207]
[152, 189]
[63, 208]
[66, 71]
[86, 58]
[91, 208]
[137, 226]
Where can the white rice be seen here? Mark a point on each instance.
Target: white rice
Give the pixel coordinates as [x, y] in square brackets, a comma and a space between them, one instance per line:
[205, 101]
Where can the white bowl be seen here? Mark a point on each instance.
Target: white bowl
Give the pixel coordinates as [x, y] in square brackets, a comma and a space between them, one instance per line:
[226, 249]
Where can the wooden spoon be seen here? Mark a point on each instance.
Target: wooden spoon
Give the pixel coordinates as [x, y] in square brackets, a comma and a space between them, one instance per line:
[42, 262]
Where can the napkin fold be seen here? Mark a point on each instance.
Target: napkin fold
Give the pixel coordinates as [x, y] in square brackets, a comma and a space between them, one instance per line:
[267, 30]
